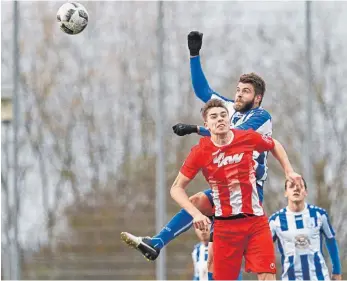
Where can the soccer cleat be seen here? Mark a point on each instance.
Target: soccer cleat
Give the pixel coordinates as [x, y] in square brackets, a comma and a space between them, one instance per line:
[141, 244]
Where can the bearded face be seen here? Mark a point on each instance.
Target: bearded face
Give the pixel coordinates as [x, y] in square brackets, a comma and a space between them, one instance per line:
[245, 97]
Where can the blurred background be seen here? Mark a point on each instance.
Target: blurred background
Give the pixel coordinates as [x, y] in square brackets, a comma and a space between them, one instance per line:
[80, 149]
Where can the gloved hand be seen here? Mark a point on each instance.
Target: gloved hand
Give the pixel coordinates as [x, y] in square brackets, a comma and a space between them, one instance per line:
[184, 129]
[194, 42]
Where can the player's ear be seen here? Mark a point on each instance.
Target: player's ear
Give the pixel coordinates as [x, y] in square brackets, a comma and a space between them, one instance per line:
[205, 125]
[258, 98]
[285, 194]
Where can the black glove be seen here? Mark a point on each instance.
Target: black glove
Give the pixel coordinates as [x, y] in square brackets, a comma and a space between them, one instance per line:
[184, 129]
[194, 42]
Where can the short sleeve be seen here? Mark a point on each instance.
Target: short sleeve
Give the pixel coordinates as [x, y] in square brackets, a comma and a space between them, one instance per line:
[326, 226]
[192, 164]
[261, 142]
[259, 120]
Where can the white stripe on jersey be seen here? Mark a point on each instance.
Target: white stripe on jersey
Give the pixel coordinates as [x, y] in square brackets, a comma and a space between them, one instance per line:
[216, 198]
[199, 255]
[257, 209]
[299, 241]
[266, 128]
[236, 198]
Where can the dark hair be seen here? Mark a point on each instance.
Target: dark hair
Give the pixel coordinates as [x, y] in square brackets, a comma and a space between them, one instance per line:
[210, 104]
[285, 184]
[256, 81]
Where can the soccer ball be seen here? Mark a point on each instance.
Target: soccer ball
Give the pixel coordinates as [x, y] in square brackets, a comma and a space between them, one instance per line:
[72, 18]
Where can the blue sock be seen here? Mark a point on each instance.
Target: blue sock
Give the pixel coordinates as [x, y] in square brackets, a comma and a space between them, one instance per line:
[240, 276]
[180, 223]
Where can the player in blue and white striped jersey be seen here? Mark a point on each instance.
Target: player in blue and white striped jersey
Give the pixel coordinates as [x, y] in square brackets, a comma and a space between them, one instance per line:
[200, 255]
[299, 230]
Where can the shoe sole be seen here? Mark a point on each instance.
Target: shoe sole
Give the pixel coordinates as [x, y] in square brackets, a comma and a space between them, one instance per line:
[129, 239]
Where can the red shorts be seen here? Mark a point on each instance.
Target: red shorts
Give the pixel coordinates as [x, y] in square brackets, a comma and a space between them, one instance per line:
[249, 237]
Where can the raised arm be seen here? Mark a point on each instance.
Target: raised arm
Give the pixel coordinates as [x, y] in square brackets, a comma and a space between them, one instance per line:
[200, 85]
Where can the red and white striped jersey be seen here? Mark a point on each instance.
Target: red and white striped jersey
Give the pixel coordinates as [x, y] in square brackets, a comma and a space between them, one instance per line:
[229, 170]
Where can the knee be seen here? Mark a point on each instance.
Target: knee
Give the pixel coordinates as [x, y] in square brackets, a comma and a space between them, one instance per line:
[200, 200]
[196, 199]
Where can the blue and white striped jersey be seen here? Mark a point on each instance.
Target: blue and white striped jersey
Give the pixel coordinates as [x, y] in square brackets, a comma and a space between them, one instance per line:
[257, 119]
[199, 255]
[299, 237]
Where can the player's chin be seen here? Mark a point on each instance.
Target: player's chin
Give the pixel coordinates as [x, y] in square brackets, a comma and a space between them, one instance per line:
[239, 106]
[222, 130]
[297, 198]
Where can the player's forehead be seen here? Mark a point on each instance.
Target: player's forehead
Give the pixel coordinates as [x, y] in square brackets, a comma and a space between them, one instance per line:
[217, 110]
[292, 185]
[245, 86]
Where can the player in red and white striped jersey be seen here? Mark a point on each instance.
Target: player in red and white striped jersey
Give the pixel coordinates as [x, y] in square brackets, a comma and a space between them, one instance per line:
[229, 170]
[241, 227]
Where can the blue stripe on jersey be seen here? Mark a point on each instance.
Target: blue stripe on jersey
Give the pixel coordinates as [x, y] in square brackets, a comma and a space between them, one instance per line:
[260, 193]
[260, 170]
[261, 158]
[299, 222]
[280, 248]
[318, 266]
[305, 267]
[283, 220]
[313, 214]
[291, 271]
[235, 118]
[198, 253]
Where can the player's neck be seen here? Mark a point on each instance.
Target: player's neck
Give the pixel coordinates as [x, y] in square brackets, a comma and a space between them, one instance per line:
[221, 140]
[296, 207]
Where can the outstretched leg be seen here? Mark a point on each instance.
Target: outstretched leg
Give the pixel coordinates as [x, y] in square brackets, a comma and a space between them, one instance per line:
[181, 222]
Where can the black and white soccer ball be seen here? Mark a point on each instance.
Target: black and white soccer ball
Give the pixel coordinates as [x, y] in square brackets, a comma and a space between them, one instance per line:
[72, 18]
